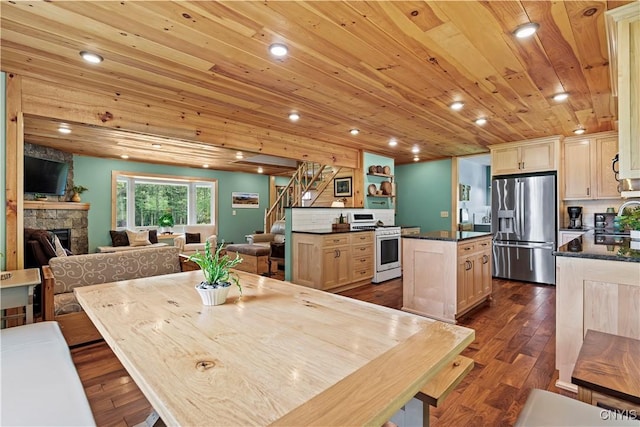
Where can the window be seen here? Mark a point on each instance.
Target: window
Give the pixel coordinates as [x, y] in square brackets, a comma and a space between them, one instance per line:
[141, 199]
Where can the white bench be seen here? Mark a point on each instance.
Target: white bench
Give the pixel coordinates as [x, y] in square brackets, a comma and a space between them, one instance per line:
[39, 382]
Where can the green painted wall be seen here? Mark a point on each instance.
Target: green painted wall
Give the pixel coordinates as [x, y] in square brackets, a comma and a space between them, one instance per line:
[95, 174]
[3, 145]
[376, 202]
[423, 191]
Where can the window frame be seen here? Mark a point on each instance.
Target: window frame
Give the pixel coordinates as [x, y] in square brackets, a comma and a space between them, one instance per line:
[160, 178]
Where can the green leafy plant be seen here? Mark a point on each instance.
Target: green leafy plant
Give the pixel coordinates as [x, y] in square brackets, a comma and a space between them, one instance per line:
[39, 196]
[631, 218]
[79, 189]
[166, 220]
[216, 268]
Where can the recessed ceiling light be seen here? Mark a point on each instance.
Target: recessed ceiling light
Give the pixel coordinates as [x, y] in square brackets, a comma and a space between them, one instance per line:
[91, 57]
[562, 96]
[260, 170]
[64, 129]
[354, 131]
[415, 149]
[579, 131]
[205, 166]
[124, 156]
[393, 142]
[481, 121]
[278, 49]
[457, 105]
[526, 30]
[156, 145]
[416, 158]
[294, 117]
[239, 155]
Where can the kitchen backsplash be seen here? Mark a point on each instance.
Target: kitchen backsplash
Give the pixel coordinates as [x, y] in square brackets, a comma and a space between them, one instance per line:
[590, 207]
[306, 219]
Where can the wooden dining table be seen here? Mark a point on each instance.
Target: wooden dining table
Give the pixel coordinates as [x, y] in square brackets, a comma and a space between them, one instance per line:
[281, 354]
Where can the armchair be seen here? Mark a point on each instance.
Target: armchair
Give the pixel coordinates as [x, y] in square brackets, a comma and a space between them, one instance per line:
[274, 241]
[194, 237]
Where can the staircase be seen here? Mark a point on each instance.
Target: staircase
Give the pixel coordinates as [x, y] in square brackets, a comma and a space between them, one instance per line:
[310, 177]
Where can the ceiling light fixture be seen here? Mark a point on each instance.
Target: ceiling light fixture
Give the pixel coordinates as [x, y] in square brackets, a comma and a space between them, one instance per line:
[481, 121]
[579, 131]
[354, 131]
[156, 145]
[457, 105]
[416, 158]
[294, 117]
[562, 96]
[64, 129]
[91, 57]
[526, 30]
[124, 156]
[393, 142]
[239, 155]
[205, 166]
[415, 149]
[278, 49]
[260, 170]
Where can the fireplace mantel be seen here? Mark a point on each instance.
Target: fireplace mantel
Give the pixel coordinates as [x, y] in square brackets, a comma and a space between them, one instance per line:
[35, 204]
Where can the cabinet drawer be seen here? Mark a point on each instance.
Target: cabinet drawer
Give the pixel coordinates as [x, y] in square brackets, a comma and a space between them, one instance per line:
[360, 262]
[360, 250]
[466, 248]
[484, 245]
[362, 273]
[335, 240]
[361, 237]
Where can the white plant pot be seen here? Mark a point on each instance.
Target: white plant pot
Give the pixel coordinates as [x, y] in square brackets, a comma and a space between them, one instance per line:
[635, 234]
[215, 296]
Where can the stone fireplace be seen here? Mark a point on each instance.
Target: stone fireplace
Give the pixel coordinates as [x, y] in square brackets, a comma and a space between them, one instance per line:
[60, 215]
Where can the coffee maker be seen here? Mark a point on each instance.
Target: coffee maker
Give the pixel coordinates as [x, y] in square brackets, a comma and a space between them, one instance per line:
[575, 216]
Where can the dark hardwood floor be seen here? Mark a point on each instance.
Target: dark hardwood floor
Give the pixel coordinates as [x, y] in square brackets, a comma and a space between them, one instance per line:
[514, 351]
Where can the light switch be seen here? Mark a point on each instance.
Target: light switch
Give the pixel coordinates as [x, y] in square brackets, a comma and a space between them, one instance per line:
[233, 212]
[444, 214]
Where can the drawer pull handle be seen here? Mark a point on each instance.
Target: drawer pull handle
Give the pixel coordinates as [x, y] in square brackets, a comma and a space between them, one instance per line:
[485, 259]
[468, 248]
[484, 244]
[468, 265]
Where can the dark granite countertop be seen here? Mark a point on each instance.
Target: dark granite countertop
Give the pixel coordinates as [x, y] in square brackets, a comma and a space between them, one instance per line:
[451, 236]
[325, 231]
[409, 226]
[601, 246]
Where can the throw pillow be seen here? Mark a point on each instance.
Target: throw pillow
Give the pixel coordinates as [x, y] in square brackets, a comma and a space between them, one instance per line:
[138, 238]
[192, 237]
[119, 238]
[153, 236]
[60, 251]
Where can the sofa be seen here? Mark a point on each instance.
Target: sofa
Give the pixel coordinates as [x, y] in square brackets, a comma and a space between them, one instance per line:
[194, 237]
[127, 240]
[63, 274]
[39, 382]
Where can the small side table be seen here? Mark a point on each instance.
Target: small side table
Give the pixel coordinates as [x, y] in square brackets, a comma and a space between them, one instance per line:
[17, 291]
[607, 371]
[169, 236]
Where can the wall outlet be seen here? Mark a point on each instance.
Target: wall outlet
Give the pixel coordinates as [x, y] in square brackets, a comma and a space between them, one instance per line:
[444, 214]
[233, 212]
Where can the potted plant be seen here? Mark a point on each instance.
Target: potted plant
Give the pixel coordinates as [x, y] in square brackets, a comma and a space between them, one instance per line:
[217, 275]
[77, 191]
[631, 220]
[166, 222]
[40, 197]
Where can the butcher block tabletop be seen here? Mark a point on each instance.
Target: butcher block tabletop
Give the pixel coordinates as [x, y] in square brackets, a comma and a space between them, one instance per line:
[282, 354]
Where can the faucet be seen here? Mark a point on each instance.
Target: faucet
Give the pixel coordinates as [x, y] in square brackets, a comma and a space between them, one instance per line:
[626, 204]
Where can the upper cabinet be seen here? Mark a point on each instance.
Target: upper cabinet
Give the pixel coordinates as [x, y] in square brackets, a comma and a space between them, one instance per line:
[535, 155]
[623, 28]
[586, 166]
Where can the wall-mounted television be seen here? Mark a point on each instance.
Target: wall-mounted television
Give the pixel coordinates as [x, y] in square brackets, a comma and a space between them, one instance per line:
[45, 176]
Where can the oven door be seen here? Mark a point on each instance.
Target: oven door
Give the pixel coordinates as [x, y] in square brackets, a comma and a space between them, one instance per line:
[388, 254]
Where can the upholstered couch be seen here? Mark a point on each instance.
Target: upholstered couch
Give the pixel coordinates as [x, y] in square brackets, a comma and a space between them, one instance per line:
[276, 235]
[40, 384]
[126, 240]
[194, 237]
[63, 274]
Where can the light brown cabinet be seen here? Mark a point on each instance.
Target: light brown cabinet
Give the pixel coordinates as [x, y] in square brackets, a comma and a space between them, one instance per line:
[459, 276]
[586, 167]
[525, 156]
[333, 261]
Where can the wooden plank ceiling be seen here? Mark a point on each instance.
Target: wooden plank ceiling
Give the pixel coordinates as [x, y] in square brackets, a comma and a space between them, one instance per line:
[388, 68]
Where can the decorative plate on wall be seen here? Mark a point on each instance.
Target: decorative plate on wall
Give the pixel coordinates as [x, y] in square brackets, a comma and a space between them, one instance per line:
[386, 170]
[372, 189]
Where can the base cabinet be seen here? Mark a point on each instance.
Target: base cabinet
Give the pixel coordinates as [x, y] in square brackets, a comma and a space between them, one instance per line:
[445, 279]
[334, 261]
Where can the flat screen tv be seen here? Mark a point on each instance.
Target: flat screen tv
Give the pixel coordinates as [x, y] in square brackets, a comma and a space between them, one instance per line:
[45, 176]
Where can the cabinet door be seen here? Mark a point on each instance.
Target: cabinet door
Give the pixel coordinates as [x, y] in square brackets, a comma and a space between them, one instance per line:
[465, 283]
[628, 60]
[606, 184]
[505, 160]
[485, 266]
[577, 170]
[335, 264]
[537, 157]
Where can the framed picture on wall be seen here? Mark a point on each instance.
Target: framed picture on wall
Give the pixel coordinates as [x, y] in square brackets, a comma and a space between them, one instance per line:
[245, 200]
[342, 187]
[464, 192]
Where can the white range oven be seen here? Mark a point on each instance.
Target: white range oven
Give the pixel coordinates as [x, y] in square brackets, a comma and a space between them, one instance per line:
[388, 258]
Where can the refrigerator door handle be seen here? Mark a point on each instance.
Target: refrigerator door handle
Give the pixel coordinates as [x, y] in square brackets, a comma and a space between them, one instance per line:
[546, 245]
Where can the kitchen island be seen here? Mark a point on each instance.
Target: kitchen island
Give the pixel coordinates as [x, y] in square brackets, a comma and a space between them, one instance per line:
[280, 355]
[446, 273]
[598, 287]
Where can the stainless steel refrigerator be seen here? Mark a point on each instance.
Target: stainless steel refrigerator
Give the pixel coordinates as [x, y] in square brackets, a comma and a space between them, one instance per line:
[523, 222]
